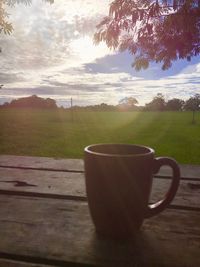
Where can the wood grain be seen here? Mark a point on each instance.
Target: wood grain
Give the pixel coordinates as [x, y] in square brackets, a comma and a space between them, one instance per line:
[61, 231]
[14, 263]
[77, 165]
[73, 184]
[48, 231]
[42, 162]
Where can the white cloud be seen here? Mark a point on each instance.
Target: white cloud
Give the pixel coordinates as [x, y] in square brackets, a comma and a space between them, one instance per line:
[95, 88]
[49, 47]
[46, 35]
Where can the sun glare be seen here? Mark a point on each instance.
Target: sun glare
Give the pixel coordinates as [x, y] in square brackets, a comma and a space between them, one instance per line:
[84, 49]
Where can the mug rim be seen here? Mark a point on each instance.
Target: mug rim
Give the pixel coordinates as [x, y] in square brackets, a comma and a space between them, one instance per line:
[149, 150]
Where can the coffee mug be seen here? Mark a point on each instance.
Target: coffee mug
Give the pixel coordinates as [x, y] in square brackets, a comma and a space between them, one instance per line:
[118, 185]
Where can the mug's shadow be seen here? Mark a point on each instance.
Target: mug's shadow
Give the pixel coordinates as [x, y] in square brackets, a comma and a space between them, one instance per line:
[138, 251]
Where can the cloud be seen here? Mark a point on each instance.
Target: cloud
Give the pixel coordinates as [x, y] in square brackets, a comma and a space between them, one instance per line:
[45, 35]
[6, 78]
[49, 40]
[51, 54]
[93, 88]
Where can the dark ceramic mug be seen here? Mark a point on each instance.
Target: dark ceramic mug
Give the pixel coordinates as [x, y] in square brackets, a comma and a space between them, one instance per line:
[118, 185]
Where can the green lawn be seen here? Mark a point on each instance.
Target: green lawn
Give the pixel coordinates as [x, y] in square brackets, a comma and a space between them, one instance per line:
[55, 134]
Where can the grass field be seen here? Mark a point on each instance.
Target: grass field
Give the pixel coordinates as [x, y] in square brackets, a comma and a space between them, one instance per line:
[57, 134]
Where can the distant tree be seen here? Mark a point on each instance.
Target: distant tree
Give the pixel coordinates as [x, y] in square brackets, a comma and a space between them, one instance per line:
[102, 107]
[193, 104]
[157, 104]
[32, 102]
[49, 103]
[99, 107]
[128, 103]
[175, 104]
[152, 30]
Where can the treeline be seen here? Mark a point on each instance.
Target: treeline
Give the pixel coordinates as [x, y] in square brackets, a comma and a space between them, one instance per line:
[31, 102]
[158, 103]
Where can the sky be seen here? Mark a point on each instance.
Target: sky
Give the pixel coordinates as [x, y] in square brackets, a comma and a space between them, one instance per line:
[51, 53]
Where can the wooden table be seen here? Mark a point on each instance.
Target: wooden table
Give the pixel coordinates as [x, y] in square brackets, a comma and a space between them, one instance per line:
[44, 219]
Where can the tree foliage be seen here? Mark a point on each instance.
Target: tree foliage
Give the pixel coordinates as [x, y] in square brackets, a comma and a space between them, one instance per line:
[129, 101]
[32, 102]
[193, 103]
[152, 30]
[175, 104]
[128, 104]
[5, 25]
[157, 104]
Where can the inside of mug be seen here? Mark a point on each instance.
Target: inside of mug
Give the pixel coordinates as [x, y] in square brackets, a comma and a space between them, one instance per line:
[119, 149]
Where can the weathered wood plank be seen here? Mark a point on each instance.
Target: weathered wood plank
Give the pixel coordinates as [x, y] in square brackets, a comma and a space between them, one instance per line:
[188, 194]
[41, 162]
[63, 183]
[12, 263]
[62, 231]
[77, 165]
[72, 184]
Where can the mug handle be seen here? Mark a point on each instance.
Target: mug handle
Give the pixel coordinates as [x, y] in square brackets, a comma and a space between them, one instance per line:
[159, 206]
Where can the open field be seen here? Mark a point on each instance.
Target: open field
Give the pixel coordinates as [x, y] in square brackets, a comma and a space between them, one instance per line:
[57, 134]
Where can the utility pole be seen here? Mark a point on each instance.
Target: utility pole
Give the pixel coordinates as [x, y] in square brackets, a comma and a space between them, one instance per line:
[71, 102]
[72, 115]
